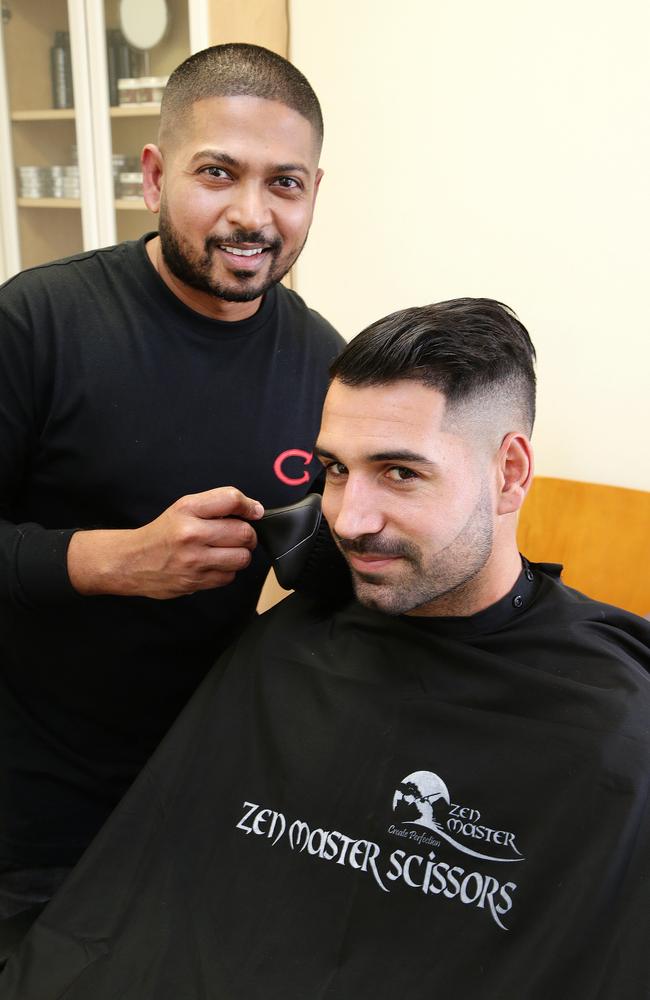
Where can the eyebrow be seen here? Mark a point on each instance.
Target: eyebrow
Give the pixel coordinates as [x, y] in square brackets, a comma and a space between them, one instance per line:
[291, 168]
[403, 455]
[218, 156]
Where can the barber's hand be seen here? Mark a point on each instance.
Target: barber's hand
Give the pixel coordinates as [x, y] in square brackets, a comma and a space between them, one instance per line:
[198, 543]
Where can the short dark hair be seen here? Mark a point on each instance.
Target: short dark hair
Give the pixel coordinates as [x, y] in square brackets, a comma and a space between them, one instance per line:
[234, 70]
[463, 348]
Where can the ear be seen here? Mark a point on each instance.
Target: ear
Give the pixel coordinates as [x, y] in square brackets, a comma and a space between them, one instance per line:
[515, 468]
[152, 175]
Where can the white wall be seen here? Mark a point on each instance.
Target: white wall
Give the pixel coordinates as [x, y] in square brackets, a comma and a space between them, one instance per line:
[496, 148]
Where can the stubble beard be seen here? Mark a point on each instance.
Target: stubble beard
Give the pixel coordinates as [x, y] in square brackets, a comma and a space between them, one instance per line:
[447, 576]
[195, 270]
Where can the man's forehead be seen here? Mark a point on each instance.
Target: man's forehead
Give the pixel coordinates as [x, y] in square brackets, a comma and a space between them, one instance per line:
[391, 420]
[243, 117]
[404, 402]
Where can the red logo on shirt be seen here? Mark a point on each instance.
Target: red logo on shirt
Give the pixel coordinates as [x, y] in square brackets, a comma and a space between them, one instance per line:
[306, 456]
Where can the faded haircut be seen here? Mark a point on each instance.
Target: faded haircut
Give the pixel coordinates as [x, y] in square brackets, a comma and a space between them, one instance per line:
[467, 349]
[234, 70]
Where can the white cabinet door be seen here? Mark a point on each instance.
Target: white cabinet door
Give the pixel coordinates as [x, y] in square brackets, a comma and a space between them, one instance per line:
[64, 139]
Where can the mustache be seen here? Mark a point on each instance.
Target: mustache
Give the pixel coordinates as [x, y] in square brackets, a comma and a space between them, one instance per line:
[375, 545]
[242, 236]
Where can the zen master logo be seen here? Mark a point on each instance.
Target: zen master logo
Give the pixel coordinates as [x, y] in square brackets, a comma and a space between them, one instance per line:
[422, 800]
[424, 817]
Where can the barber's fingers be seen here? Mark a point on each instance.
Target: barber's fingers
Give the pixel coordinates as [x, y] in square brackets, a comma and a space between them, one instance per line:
[187, 531]
[227, 532]
[224, 501]
[224, 559]
[212, 567]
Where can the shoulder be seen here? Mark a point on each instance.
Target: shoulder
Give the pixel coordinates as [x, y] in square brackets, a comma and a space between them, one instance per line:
[308, 321]
[574, 605]
[56, 276]
[590, 631]
[59, 290]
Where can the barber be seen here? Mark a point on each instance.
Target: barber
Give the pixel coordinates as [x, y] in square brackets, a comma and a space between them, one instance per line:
[155, 396]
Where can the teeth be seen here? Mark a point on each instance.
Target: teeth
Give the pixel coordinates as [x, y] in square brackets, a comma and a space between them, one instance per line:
[243, 253]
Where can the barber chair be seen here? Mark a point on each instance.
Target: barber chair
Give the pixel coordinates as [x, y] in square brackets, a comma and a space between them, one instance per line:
[600, 534]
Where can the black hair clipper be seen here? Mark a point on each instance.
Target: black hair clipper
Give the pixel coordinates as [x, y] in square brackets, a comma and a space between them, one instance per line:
[303, 552]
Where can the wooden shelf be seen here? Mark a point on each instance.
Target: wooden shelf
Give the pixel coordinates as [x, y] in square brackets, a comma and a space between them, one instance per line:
[123, 204]
[44, 115]
[135, 111]
[67, 114]
[129, 204]
[48, 203]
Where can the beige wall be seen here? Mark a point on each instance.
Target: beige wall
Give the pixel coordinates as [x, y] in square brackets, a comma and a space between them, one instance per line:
[498, 149]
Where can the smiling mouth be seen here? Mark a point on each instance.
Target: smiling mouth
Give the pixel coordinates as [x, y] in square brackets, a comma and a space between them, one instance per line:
[240, 252]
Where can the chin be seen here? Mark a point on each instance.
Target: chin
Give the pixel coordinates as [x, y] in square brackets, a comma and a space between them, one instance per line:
[240, 294]
[378, 598]
[245, 287]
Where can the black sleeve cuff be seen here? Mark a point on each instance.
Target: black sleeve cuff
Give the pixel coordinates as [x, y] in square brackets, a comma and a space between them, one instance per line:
[42, 566]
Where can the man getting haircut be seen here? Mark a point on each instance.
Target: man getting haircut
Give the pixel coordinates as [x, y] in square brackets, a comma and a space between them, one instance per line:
[436, 788]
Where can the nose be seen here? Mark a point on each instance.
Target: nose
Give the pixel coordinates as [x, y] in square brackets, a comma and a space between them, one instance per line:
[353, 510]
[249, 206]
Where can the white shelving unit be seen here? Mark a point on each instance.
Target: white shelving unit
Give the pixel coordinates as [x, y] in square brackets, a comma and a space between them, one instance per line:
[34, 230]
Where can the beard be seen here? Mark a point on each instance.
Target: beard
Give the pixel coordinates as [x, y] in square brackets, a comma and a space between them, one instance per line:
[425, 578]
[195, 269]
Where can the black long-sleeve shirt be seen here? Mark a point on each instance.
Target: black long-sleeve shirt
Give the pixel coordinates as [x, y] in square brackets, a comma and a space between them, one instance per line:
[115, 400]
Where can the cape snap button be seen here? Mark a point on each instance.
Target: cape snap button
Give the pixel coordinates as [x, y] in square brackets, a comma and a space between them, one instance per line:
[518, 601]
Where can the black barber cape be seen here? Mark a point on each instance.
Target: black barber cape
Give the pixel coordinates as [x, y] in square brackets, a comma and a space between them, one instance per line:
[355, 806]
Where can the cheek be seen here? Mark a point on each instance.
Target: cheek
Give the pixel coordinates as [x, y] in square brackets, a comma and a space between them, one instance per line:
[330, 505]
[194, 211]
[294, 220]
[468, 502]
[432, 518]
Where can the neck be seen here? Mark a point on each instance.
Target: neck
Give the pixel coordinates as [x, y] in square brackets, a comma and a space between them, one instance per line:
[201, 302]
